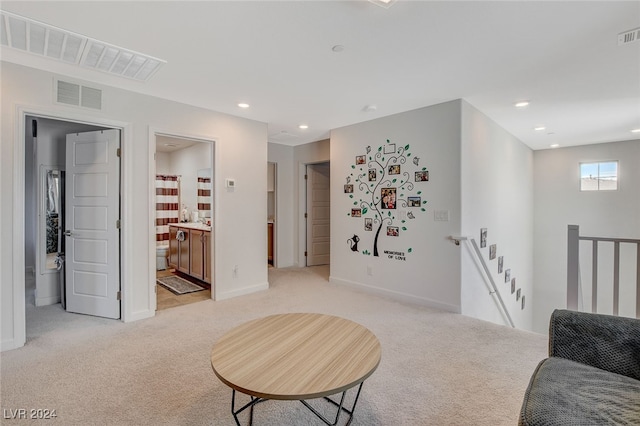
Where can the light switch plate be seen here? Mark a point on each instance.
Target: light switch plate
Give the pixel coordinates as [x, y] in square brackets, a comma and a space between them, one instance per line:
[441, 215]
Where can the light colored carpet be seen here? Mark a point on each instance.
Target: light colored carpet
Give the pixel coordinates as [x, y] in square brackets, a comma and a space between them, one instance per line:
[437, 368]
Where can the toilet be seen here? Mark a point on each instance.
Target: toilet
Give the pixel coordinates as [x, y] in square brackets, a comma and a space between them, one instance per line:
[162, 251]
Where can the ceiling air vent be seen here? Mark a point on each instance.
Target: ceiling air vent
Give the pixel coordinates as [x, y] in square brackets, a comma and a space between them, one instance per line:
[630, 36]
[282, 136]
[78, 95]
[55, 43]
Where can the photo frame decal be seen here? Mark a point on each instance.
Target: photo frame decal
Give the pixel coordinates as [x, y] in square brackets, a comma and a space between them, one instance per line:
[414, 202]
[422, 176]
[382, 191]
[388, 198]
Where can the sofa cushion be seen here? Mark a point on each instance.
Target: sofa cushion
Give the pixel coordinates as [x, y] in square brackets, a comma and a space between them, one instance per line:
[564, 392]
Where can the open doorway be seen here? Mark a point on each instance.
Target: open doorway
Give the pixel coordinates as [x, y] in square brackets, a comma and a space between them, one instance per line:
[183, 220]
[66, 157]
[272, 172]
[318, 214]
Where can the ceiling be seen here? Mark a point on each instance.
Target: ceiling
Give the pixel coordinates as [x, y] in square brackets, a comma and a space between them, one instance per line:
[277, 56]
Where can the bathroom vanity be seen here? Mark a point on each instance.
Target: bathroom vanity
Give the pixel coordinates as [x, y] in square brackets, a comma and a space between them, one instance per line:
[192, 254]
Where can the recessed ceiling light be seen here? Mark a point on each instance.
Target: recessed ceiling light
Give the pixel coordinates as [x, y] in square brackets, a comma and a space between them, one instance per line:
[539, 128]
[635, 131]
[521, 104]
[384, 3]
[303, 126]
[370, 108]
[555, 145]
[243, 105]
[337, 48]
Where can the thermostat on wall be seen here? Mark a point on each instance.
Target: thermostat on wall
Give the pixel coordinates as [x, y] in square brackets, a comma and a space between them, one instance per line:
[230, 183]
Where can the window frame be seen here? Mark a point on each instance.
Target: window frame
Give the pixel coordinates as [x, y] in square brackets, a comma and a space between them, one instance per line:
[599, 175]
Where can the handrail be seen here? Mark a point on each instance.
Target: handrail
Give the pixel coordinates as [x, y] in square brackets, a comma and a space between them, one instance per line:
[573, 269]
[479, 259]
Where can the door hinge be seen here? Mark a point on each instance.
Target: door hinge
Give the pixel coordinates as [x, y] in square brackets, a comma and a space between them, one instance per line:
[118, 152]
[118, 224]
[306, 177]
[118, 296]
[305, 253]
[305, 215]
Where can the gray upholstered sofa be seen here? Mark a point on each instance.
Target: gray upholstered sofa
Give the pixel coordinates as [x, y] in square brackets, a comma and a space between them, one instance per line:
[592, 375]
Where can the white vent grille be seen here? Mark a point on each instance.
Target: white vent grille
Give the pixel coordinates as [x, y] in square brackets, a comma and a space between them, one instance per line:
[54, 43]
[78, 95]
[91, 98]
[282, 136]
[629, 37]
[68, 93]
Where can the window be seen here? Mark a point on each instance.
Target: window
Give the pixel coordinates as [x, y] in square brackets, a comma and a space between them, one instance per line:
[602, 176]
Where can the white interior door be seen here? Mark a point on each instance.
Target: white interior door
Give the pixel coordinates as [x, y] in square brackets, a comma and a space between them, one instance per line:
[318, 214]
[92, 237]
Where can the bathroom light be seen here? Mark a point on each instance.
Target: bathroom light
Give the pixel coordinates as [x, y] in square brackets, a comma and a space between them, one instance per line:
[243, 105]
[303, 126]
[635, 131]
[539, 128]
[521, 104]
[555, 145]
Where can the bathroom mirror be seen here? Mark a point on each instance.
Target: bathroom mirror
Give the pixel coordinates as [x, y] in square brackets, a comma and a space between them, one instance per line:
[51, 216]
[205, 192]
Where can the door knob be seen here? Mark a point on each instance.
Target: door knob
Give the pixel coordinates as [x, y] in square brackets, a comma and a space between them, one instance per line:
[67, 233]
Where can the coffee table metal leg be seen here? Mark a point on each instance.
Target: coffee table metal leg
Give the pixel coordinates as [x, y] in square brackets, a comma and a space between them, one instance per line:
[248, 405]
[340, 406]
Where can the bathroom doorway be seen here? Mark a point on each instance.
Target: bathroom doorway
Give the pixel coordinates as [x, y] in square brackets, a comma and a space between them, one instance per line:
[183, 220]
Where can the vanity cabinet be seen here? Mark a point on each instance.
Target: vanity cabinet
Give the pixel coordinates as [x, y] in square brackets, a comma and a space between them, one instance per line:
[193, 255]
[197, 254]
[179, 250]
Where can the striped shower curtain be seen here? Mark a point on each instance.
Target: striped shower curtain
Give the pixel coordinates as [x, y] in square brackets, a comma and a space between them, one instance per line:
[167, 205]
[204, 196]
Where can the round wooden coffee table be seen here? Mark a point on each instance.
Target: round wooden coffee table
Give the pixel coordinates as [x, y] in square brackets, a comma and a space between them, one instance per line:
[296, 356]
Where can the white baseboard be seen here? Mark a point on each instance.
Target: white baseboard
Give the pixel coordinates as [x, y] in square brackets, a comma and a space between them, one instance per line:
[45, 301]
[135, 316]
[396, 295]
[8, 345]
[242, 291]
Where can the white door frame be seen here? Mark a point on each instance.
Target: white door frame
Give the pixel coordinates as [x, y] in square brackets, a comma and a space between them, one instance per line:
[153, 132]
[18, 272]
[302, 208]
[310, 211]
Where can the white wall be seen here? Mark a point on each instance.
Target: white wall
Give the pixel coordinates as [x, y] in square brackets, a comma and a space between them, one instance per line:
[241, 153]
[430, 275]
[163, 163]
[497, 194]
[559, 203]
[186, 162]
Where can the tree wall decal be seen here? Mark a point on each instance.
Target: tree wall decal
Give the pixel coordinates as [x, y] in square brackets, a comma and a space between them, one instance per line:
[383, 192]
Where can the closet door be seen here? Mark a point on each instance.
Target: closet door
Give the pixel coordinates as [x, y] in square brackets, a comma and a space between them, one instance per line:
[92, 216]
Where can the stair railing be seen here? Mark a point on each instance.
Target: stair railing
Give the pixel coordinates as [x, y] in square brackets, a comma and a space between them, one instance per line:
[488, 278]
[573, 269]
